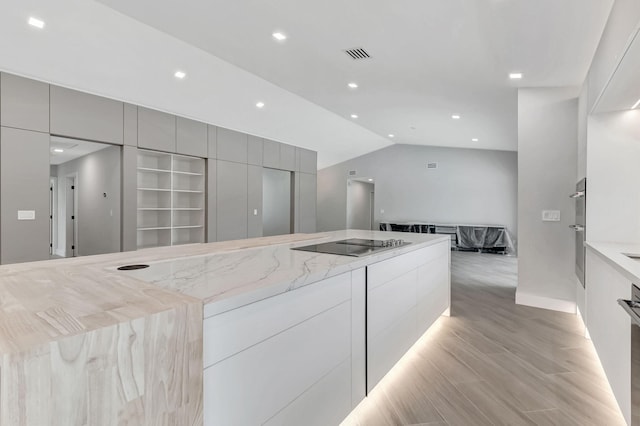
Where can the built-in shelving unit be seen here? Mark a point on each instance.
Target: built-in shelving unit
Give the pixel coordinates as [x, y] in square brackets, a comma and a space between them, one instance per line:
[170, 199]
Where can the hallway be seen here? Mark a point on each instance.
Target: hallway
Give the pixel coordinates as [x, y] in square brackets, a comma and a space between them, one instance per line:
[493, 362]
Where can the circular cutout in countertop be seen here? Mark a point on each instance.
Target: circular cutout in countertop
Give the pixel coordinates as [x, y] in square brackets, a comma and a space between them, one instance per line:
[132, 267]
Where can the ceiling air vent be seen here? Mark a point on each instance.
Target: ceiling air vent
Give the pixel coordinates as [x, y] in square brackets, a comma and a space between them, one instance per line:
[357, 53]
[432, 165]
[352, 172]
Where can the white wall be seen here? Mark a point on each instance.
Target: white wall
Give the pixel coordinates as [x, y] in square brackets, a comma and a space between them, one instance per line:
[359, 204]
[469, 186]
[613, 174]
[621, 25]
[547, 175]
[98, 219]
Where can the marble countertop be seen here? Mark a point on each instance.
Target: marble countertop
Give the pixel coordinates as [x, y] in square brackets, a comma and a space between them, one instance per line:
[614, 254]
[225, 281]
[45, 301]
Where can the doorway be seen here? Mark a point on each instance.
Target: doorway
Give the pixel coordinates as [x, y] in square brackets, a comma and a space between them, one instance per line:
[360, 204]
[276, 202]
[85, 197]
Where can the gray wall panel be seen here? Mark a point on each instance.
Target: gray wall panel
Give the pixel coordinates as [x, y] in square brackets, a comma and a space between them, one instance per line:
[287, 157]
[24, 103]
[307, 161]
[24, 185]
[156, 130]
[130, 125]
[308, 195]
[211, 200]
[129, 194]
[232, 146]
[191, 138]
[254, 155]
[231, 195]
[271, 154]
[254, 201]
[212, 141]
[84, 116]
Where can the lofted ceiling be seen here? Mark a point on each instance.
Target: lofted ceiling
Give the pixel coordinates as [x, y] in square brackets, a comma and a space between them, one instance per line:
[429, 59]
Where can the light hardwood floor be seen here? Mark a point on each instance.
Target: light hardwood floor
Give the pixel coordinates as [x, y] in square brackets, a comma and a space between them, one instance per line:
[494, 362]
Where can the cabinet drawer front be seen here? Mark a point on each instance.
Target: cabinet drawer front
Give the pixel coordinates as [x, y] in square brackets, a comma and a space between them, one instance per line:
[390, 301]
[233, 331]
[254, 385]
[387, 270]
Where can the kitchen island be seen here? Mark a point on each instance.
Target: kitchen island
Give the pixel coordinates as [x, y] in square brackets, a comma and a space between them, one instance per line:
[284, 336]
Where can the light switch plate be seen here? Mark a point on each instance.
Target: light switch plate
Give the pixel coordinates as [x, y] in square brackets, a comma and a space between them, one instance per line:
[255, 212]
[551, 215]
[26, 215]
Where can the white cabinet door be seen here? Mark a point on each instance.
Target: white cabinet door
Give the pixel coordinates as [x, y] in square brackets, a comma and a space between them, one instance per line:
[254, 385]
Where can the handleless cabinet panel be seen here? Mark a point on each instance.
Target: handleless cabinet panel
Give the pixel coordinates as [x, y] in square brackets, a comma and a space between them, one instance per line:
[231, 183]
[212, 205]
[307, 161]
[191, 137]
[24, 185]
[287, 157]
[254, 155]
[255, 201]
[130, 125]
[307, 203]
[156, 130]
[232, 146]
[24, 103]
[212, 141]
[84, 116]
[271, 154]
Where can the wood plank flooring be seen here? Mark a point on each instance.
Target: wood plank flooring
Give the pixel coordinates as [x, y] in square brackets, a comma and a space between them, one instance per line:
[494, 362]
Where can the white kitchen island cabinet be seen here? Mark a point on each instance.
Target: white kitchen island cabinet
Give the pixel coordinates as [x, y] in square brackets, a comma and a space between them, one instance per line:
[239, 332]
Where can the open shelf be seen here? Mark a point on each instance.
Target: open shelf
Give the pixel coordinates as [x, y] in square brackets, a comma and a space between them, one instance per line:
[170, 199]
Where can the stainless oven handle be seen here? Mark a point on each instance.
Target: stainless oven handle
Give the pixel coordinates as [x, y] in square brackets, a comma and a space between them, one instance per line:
[578, 194]
[626, 305]
[577, 228]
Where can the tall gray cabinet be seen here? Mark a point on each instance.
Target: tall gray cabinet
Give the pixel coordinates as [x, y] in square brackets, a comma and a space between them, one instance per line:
[231, 168]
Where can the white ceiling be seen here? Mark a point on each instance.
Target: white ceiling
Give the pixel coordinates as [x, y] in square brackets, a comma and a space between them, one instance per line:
[72, 149]
[429, 59]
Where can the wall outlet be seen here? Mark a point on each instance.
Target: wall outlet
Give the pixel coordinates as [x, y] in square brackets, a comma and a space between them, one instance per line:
[381, 211]
[26, 215]
[551, 215]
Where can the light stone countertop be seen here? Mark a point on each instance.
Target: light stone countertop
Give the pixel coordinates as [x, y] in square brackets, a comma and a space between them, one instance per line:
[225, 281]
[46, 301]
[614, 254]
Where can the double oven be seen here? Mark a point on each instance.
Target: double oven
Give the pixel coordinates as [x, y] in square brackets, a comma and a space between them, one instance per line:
[580, 197]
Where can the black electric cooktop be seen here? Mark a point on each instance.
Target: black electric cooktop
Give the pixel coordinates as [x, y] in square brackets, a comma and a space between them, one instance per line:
[353, 247]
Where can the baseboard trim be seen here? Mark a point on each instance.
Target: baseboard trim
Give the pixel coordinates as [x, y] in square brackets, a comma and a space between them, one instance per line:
[545, 302]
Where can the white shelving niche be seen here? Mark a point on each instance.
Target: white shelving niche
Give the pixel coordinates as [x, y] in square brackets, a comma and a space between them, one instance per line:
[170, 199]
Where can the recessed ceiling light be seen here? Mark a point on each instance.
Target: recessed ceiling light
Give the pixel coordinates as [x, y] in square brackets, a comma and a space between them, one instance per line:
[370, 180]
[353, 85]
[455, 117]
[354, 115]
[636, 104]
[474, 140]
[279, 36]
[58, 150]
[35, 22]
[515, 75]
[260, 105]
[180, 74]
[391, 135]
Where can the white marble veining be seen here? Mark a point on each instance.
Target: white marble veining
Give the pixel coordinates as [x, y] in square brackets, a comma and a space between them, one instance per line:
[615, 255]
[227, 280]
